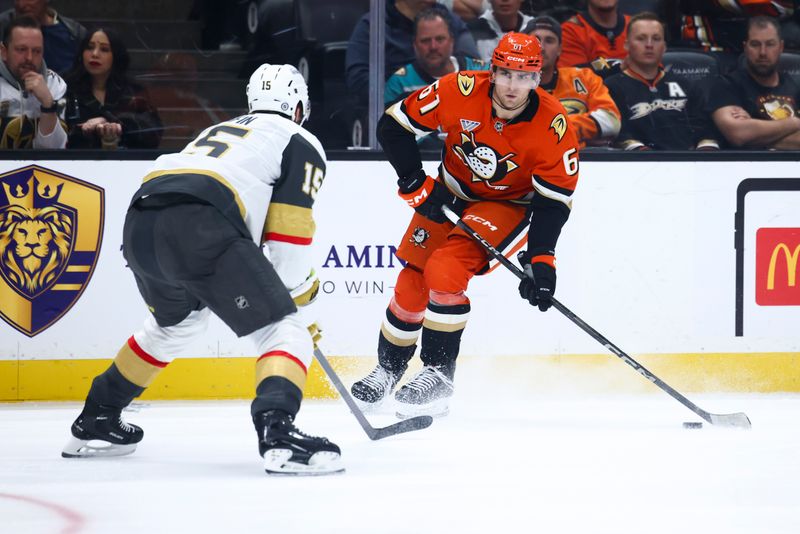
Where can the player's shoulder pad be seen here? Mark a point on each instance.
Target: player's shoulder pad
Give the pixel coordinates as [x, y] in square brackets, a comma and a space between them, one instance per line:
[553, 114]
[311, 139]
[462, 83]
[548, 102]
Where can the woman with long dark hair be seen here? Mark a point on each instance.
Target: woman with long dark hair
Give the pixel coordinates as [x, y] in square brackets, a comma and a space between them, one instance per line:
[105, 109]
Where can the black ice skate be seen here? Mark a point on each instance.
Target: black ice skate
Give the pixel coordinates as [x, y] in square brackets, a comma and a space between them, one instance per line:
[102, 433]
[287, 451]
[373, 389]
[427, 393]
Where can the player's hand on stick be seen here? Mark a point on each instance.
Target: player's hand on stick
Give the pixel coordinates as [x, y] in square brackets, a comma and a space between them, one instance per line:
[426, 195]
[539, 284]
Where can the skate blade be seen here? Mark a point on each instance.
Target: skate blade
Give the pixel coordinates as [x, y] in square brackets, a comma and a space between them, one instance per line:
[437, 408]
[95, 448]
[278, 462]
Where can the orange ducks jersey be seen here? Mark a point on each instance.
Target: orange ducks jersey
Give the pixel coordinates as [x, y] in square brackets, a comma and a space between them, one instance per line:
[487, 158]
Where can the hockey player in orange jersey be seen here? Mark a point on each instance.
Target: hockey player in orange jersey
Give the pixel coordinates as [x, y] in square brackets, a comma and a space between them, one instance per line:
[510, 154]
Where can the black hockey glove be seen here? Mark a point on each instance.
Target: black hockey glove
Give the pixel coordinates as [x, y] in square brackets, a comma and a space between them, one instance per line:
[427, 196]
[539, 284]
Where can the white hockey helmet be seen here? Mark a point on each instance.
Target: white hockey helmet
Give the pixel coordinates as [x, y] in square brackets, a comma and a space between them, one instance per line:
[278, 88]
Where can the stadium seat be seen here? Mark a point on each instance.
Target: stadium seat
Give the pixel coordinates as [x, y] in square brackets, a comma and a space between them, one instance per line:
[693, 65]
[632, 7]
[311, 35]
[790, 66]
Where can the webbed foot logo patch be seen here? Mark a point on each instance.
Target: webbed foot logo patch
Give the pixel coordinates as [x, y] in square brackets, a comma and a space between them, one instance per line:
[487, 165]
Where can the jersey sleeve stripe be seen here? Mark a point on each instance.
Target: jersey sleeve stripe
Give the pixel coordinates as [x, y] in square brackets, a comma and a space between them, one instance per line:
[553, 192]
[273, 236]
[292, 223]
[608, 122]
[397, 111]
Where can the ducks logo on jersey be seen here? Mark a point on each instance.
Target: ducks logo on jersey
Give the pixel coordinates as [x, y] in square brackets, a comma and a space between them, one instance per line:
[487, 165]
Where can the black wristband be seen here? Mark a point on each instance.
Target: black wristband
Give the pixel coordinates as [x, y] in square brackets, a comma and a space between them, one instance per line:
[52, 109]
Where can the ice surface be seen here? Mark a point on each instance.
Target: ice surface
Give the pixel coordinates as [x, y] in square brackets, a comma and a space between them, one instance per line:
[497, 464]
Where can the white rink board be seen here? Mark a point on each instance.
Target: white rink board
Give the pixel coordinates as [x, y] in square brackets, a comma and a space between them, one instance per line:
[647, 258]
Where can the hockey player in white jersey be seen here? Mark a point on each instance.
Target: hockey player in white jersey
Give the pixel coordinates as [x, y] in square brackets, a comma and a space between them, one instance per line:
[224, 227]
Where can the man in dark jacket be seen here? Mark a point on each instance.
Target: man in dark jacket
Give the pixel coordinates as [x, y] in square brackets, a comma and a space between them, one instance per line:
[61, 34]
[399, 49]
[660, 110]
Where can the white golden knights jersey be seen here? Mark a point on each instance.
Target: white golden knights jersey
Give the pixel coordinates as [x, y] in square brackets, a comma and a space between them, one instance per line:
[262, 171]
[20, 112]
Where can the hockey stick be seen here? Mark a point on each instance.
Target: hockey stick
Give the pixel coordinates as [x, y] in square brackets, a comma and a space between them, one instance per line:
[406, 425]
[739, 420]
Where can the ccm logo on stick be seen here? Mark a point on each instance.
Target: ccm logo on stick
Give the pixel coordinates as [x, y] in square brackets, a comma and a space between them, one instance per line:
[481, 221]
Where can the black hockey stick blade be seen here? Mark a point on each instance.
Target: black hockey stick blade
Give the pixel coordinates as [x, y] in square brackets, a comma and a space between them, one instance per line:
[407, 425]
[737, 420]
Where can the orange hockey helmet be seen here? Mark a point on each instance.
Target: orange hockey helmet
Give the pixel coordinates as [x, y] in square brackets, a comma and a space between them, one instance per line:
[518, 51]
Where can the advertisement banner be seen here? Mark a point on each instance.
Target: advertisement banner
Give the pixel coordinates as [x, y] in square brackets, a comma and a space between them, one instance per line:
[647, 258]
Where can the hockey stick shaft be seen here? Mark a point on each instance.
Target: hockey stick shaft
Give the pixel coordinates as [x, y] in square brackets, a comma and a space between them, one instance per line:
[407, 425]
[738, 419]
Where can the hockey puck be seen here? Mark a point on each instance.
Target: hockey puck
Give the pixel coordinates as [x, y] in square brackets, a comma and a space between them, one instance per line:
[692, 425]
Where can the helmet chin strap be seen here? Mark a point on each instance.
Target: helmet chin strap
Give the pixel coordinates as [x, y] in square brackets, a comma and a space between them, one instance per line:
[495, 100]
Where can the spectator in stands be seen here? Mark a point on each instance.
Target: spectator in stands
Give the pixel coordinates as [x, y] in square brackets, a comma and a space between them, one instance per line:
[756, 106]
[660, 110]
[716, 26]
[104, 108]
[466, 9]
[399, 49]
[592, 111]
[598, 32]
[433, 47]
[504, 16]
[561, 10]
[61, 34]
[29, 92]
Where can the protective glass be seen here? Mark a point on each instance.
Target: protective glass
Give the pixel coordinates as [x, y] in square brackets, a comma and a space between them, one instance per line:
[517, 79]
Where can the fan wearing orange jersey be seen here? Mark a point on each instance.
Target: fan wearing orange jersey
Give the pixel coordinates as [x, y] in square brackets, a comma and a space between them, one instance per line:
[591, 109]
[510, 155]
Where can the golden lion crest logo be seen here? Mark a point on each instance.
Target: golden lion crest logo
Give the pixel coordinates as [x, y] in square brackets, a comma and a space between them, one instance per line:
[50, 235]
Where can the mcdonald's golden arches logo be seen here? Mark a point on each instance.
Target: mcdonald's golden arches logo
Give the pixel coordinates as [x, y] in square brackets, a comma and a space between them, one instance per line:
[777, 262]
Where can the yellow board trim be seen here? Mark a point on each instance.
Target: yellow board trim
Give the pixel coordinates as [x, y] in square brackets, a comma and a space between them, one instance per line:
[233, 378]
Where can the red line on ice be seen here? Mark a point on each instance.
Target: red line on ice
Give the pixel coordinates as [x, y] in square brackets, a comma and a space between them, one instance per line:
[75, 521]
